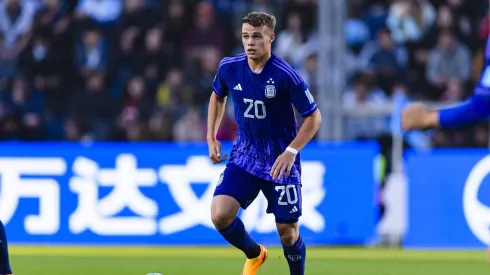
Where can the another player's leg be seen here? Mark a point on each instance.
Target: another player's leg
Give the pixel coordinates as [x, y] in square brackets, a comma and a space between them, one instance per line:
[285, 202]
[4, 257]
[237, 189]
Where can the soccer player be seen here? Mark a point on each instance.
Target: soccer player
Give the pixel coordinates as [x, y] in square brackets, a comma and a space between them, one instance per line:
[470, 112]
[265, 155]
[4, 257]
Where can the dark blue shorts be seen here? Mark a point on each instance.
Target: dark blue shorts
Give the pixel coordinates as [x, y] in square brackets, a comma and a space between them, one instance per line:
[283, 200]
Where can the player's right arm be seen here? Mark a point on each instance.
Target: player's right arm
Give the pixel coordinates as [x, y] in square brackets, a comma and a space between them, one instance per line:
[216, 109]
[467, 113]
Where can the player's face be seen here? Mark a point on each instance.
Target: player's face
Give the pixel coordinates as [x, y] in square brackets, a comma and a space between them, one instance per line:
[256, 41]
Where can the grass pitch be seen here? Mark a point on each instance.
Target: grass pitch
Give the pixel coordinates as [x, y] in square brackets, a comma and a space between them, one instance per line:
[27, 260]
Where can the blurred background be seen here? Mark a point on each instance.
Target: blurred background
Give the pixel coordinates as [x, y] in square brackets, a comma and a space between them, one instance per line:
[95, 92]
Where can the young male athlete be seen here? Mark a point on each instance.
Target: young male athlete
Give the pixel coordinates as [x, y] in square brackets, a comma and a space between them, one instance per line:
[470, 112]
[4, 256]
[265, 154]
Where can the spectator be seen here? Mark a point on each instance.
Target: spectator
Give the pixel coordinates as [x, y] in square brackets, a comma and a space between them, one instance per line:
[25, 107]
[291, 43]
[454, 91]
[157, 56]
[356, 30]
[53, 22]
[449, 59]
[160, 127]
[388, 61]
[204, 76]
[185, 128]
[375, 15]
[8, 60]
[137, 99]
[408, 20]
[363, 94]
[53, 15]
[310, 73]
[92, 52]
[447, 21]
[41, 56]
[75, 131]
[204, 33]
[94, 107]
[173, 94]
[102, 11]
[175, 20]
[15, 22]
[136, 14]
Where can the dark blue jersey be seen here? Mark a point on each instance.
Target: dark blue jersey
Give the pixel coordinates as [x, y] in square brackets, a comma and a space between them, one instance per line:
[264, 112]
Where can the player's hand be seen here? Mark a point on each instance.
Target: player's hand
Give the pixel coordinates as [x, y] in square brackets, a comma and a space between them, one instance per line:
[283, 164]
[214, 147]
[416, 116]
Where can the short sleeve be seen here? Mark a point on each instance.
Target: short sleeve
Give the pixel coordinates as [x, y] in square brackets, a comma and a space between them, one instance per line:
[219, 85]
[300, 96]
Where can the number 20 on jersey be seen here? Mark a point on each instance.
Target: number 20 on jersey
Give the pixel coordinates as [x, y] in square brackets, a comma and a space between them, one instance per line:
[258, 107]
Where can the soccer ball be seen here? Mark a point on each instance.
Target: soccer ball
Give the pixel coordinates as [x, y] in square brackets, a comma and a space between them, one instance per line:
[153, 274]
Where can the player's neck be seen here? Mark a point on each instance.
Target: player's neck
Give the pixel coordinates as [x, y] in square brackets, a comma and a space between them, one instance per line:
[258, 65]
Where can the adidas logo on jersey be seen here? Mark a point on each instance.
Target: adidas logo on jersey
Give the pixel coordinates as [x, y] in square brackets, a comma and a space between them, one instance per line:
[238, 87]
[294, 210]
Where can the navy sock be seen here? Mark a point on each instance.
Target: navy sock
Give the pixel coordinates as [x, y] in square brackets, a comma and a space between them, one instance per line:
[236, 235]
[296, 257]
[4, 255]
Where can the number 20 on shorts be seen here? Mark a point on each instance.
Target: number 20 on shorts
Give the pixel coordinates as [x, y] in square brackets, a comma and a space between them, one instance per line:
[291, 195]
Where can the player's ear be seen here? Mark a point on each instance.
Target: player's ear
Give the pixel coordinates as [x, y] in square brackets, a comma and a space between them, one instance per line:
[273, 36]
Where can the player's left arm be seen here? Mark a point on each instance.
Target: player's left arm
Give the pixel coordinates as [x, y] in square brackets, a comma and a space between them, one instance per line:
[305, 104]
[310, 126]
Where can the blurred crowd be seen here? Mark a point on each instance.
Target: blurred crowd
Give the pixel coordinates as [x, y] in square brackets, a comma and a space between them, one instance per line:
[430, 50]
[132, 70]
[123, 70]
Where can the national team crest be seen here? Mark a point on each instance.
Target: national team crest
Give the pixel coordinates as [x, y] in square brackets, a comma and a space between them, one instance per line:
[270, 89]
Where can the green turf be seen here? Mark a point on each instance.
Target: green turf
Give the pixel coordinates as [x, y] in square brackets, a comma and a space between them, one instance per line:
[211, 261]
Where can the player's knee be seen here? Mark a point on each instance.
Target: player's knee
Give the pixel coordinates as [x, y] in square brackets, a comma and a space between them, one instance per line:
[288, 233]
[222, 220]
[289, 238]
[223, 211]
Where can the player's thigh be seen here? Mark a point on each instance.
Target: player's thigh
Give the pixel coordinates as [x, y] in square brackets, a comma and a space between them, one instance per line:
[284, 201]
[238, 184]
